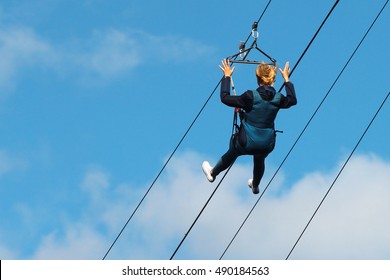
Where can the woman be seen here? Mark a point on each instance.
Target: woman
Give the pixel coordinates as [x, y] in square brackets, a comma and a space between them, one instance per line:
[256, 134]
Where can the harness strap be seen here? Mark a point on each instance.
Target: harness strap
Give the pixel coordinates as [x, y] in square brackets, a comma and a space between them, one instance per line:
[236, 110]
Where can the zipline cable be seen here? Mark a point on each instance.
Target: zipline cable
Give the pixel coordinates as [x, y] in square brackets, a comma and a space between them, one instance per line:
[162, 169]
[174, 151]
[353, 150]
[259, 19]
[304, 52]
[200, 213]
[227, 171]
[311, 41]
[304, 129]
[288, 154]
[338, 175]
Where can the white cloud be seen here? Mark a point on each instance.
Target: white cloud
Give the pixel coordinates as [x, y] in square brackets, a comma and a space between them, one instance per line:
[170, 48]
[105, 54]
[351, 224]
[8, 162]
[78, 242]
[20, 47]
[95, 183]
[112, 53]
[115, 52]
[6, 253]
[90, 234]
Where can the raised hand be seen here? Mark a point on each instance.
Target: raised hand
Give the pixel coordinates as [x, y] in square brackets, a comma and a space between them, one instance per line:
[226, 69]
[285, 72]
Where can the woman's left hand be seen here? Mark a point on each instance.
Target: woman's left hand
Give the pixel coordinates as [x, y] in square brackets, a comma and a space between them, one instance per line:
[226, 69]
[285, 72]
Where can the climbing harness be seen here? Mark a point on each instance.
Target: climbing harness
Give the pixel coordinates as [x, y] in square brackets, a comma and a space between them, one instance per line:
[236, 127]
[240, 57]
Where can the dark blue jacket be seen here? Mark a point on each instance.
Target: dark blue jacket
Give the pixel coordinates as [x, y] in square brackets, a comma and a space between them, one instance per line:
[245, 100]
[260, 108]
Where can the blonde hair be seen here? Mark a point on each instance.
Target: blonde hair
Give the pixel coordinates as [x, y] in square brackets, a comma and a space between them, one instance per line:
[265, 74]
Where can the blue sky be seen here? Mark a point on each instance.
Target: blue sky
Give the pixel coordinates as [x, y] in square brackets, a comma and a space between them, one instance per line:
[95, 95]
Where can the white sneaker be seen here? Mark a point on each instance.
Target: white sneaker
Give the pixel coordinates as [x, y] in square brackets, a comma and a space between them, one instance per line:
[206, 167]
[255, 190]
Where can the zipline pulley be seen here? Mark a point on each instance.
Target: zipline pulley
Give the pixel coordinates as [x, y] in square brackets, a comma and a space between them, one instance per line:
[255, 33]
[243, 51]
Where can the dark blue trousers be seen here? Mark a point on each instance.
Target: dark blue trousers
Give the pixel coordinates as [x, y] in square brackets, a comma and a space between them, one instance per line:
[236, 150]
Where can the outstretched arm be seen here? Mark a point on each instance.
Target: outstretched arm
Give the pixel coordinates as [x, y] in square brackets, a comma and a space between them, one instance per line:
[241, 101]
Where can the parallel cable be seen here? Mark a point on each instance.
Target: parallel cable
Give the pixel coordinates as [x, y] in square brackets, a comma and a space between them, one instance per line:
[162, 169]
[259, 19]
[311, 41]
[174, 151]
[288, 154]
[227, 171]
[338, 175]
[304, 52]
[353, 150]
[200, 213]
[306, 126]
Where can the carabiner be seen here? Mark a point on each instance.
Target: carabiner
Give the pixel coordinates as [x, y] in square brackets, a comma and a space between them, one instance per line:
[242, 49]
[255, 33]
